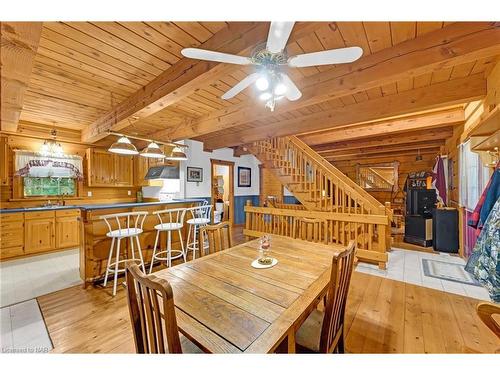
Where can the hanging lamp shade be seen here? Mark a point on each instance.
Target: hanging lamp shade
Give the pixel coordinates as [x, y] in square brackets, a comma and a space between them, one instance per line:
[177, 154]
[153, 151]
[123, 146]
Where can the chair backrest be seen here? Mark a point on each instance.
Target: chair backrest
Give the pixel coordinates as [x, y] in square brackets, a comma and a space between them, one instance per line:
[336, 298]
[152, 312]
[218, 236]
[312, 230]
[200, 212]
[125, 220]
[486, 310]
[173, 215]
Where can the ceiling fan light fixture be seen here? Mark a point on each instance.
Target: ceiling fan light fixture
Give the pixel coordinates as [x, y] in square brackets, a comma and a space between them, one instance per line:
[265, 96]
[280, 89]
[262, 83]
[153, 151]
[123, 146]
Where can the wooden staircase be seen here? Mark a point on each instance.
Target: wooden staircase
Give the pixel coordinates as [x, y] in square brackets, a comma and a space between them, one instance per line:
[316, 183]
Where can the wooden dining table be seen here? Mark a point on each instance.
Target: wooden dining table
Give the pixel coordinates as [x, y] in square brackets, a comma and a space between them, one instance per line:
[225, 305]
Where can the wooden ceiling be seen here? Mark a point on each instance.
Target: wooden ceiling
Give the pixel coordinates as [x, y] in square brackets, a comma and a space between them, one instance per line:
[131, 77]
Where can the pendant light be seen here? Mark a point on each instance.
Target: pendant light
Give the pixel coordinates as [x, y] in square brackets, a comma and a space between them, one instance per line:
[153, 151]
[177, 154]
[123, 146]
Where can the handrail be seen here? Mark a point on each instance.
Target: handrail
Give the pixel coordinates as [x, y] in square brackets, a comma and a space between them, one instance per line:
[336, 172]
[368, 231]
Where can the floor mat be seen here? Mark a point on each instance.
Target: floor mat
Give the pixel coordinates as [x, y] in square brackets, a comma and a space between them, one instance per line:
[447, 271]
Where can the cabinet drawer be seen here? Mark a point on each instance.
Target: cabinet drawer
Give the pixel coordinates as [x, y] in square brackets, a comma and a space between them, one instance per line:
[14, 237]
[10, 252]
[66, 213]
[9, 225]
[11, 217]
[39, 215]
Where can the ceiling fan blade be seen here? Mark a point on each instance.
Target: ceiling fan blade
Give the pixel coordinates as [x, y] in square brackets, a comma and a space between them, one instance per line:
[240, 86]
[332, 56]
[279, 32]
[292, 92]
[203, 54]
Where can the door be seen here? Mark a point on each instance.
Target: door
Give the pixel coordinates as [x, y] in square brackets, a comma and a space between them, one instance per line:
[67, 232]
[123, 170]
[39, 235]
[226, 168]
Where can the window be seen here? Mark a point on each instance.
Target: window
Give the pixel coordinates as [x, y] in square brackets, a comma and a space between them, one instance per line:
[49, 186]
[378, 177]
[473, 177]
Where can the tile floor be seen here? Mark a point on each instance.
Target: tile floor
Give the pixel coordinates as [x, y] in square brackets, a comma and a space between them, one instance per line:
[23, 329]
[406, 265]
[28, 278]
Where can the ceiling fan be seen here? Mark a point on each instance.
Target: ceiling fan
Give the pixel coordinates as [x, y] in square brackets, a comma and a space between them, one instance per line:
[270, 59]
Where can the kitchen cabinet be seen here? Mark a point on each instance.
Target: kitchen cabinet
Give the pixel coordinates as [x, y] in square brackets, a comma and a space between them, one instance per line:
[4, 161]
[67, 229]
[12, 235]
[123, 170]
[105, 169]
[39, 232]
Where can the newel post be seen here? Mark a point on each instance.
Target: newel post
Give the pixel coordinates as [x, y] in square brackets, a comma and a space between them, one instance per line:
[388, 211]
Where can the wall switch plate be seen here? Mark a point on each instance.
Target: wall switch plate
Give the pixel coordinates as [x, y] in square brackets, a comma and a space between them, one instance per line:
[129, 192]
[89, 193]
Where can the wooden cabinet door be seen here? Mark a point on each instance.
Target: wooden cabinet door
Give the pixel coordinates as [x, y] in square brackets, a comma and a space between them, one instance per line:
[101, 168]
[141, 165]
[4, 161]
[67, 232]
[39, 235]
[124, 170]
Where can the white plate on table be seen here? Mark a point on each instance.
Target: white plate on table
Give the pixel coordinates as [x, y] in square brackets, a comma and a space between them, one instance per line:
[256, 264]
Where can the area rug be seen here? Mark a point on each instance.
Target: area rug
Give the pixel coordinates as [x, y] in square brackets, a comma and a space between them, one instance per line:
[447, 271]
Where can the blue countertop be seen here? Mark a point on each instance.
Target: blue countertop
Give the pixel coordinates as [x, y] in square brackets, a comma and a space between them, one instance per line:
[89, 207]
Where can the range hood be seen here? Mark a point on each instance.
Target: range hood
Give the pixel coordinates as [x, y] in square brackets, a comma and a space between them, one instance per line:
[163, 172]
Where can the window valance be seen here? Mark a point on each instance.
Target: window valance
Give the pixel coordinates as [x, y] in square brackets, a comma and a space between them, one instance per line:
[34, 164]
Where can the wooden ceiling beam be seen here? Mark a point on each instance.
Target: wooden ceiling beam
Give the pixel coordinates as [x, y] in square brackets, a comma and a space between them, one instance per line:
[387, 140]
[426, 121]
[387, 157]
[19, 43]
[385, 149]
[455, 44]
[185, 77]
[426, 98]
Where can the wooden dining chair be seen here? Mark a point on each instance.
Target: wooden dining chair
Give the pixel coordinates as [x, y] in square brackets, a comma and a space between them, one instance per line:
[152, 314]
[323, 331]
[486, 311]
[218, 236]
[312, 230]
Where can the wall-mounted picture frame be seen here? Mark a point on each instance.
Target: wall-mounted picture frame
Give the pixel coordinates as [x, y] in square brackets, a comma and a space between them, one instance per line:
[194, 174]
[244, 177]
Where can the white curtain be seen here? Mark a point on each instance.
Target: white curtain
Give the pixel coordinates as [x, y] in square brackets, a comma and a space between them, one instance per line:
[33, 163]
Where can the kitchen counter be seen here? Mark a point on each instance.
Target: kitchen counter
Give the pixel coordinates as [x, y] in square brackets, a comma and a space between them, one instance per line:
[99, 206]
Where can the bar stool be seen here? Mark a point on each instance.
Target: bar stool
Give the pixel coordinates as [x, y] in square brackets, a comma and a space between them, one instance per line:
[200, 217]
[131, 229]
[174, 222]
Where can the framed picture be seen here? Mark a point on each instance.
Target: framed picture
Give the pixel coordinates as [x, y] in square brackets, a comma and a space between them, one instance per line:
[194, 174]
[244, 177]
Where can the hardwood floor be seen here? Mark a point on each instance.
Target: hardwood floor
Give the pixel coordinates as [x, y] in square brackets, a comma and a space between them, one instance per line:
[383, 316]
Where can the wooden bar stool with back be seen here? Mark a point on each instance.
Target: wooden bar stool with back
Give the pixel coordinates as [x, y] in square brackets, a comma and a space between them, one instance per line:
[122, 226]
